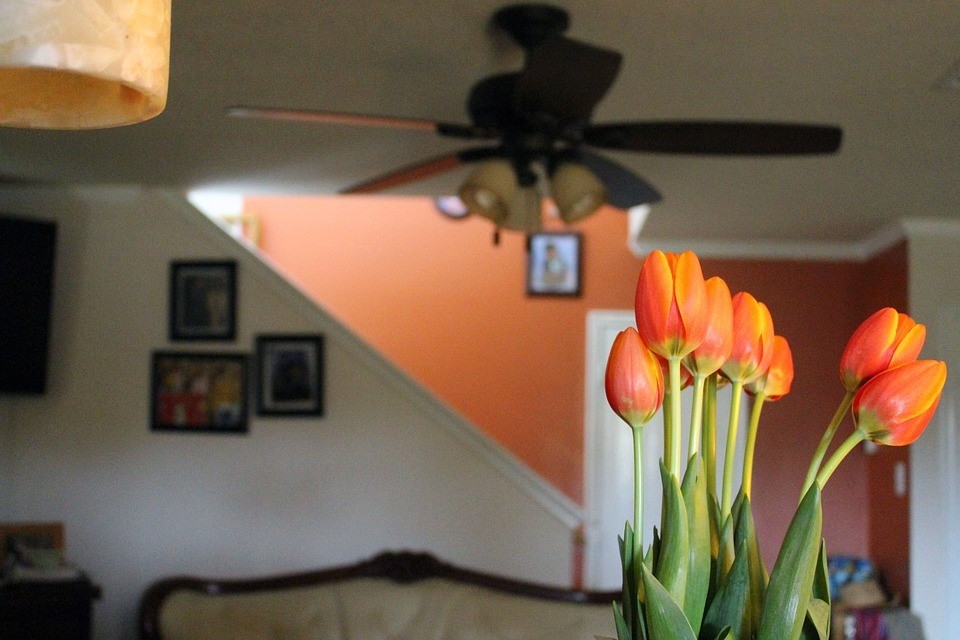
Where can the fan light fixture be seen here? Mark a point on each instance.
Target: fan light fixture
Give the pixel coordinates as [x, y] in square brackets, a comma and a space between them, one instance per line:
[493, 191]
[490, 189]
[83, 64]
[576, 191]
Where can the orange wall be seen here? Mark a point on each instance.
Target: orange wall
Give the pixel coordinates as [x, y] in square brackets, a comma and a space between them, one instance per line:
[885, 284]
[449, 307]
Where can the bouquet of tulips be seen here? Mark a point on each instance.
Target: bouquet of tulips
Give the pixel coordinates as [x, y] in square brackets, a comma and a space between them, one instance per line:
[702, 576]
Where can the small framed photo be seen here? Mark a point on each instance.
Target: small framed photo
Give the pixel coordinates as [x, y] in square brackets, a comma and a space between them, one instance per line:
[290, 375]
[203, 300]
[553, 264]
[199, 392]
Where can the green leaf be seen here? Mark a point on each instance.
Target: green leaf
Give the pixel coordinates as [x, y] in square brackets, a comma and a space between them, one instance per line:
[726, 552]
[816, 626]
[694, 491]
[630, 595]
[791, 582]
[672, 564]
[623, 629]
[653, 553]
[735, 508]
[745, 536]
[731, 607]
[665, 618]
[726, 634]
[715, 525]
[821, 581]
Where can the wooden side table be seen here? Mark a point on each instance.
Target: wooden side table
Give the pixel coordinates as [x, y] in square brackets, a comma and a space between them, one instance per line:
[54, 610]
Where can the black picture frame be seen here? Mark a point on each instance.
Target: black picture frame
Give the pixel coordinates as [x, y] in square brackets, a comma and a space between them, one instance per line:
[554, 263]
[290, 375]
[199, 392]
[203, 300]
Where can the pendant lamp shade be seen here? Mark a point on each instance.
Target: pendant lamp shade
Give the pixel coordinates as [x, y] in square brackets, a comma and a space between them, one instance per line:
[525, 211]
[490, 189]
[83, 64]
[576, 191]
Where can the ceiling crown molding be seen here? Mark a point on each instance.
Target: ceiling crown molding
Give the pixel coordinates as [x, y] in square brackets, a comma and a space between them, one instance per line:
[858, 250]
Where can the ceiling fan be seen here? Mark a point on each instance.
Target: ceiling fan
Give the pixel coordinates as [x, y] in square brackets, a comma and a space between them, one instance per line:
[536, 125]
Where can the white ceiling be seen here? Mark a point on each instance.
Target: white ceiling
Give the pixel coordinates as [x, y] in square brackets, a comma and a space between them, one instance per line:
[870, 67]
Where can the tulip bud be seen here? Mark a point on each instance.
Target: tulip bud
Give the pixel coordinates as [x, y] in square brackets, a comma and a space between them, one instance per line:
[894, 406]
[718, 338]
[884, 340]
[752, 339]
[671, 303]
[775, 383]
[634, 381]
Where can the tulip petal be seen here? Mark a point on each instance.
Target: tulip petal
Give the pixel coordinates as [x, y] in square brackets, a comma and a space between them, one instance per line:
[653, 300]
[717, 342]
[691, 296]
[896, 405]
[909, 345]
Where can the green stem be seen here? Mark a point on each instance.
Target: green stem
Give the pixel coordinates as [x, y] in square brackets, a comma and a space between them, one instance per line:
[637, 498]
[710, 435]
[845, 447]
[727, 502]
[825, 442]
[667, 426]
[675, 445]
[751, 443]
[696, 416]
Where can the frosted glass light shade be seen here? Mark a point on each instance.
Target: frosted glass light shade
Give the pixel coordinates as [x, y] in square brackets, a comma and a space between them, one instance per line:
[576, 191]
[525, 211]
[489, 190]
[83, 64]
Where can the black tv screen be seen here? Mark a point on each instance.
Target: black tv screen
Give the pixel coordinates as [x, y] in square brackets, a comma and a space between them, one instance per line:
[26, 289]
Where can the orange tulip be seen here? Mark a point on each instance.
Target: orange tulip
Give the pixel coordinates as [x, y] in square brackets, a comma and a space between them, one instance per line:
[718, 338]
[634, 381]
[752, 339]
[671, 303]
[894, 406]
[884, 340]
[775, 383]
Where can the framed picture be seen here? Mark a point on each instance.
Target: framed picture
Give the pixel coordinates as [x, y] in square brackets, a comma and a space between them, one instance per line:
[203, 300]
[553, 264]
[199, 392]
[290, 375]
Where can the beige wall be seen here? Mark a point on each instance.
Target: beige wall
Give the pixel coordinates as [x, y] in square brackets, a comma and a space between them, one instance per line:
[388, 467]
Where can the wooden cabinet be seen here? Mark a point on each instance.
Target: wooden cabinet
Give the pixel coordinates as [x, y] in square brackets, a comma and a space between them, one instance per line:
[58, 610]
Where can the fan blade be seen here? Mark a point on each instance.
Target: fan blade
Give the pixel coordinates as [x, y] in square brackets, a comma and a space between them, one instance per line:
[360, 120]
[625, 189]
[716, 138]
[421, 170]
[566, 79]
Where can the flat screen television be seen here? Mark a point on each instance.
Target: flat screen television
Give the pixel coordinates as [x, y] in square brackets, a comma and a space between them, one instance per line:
[27, 249]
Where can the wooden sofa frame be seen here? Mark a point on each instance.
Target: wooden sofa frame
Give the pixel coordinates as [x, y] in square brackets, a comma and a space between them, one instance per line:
[401, 567]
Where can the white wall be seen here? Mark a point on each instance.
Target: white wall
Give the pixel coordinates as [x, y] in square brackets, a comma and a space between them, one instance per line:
[934, 256]
[387, 467]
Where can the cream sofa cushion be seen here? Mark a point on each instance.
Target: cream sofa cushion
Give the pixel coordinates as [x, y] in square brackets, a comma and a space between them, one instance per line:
[379, 609]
